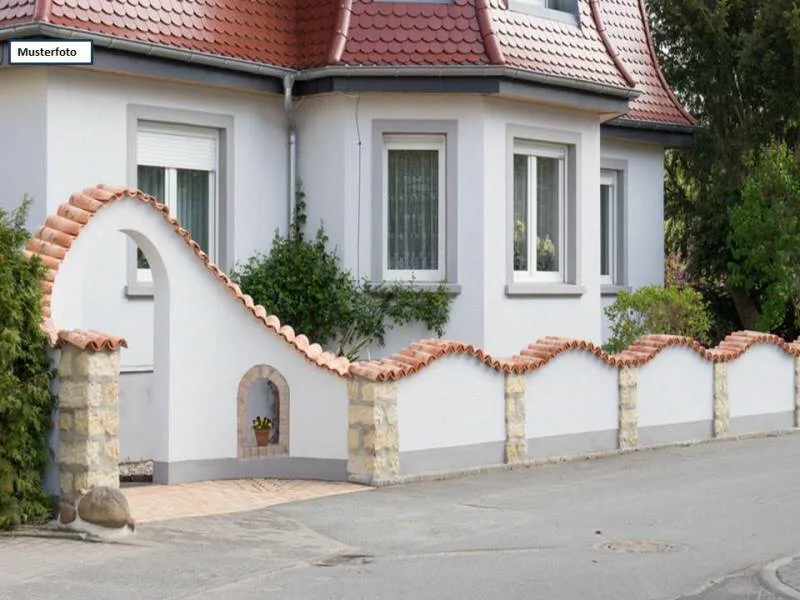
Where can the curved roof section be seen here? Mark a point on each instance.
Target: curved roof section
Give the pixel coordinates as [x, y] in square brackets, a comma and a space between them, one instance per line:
[611, 46]
[536, 43]
[628, 29]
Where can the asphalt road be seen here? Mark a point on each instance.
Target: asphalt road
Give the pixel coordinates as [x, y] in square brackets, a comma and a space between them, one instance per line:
[693, 522]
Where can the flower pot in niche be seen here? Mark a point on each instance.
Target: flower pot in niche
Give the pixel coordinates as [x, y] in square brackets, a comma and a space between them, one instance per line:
[262, 427]
[262, 436]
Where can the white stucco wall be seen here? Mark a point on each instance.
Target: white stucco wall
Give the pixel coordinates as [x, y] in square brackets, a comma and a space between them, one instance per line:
[511, 323]
[644, 231]
[23, 127]
[205, 343]
[340, 191]
[574, 393]
[87, 143]
[336, 129]
[761, 381]
[456, 401]
[677, 386]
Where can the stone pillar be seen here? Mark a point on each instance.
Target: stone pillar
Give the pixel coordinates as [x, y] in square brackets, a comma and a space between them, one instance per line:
[372, 437]
[516, 442]
[722, 405]
[797, 391]
[628, 435]
[88, 449]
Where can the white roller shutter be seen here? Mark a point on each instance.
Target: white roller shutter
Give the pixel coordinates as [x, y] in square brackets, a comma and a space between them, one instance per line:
[174, 146]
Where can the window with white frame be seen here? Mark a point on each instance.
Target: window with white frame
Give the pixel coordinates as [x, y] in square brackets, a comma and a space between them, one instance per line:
[609, 223]
[179, 165]
[414, 207]
[539, 213]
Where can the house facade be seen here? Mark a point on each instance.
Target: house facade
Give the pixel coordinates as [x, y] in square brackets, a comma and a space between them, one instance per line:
[511, 149]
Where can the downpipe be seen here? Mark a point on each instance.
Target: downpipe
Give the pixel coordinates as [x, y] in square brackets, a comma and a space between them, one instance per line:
[288, 107]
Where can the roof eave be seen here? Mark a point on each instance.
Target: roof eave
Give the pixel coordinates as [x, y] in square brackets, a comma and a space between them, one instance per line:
[253, 67]
[145, 48]
[468, 71]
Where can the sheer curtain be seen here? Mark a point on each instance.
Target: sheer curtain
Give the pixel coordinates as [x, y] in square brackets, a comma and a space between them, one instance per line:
[413, 211]
[192, 204]
[151, 180]
[521, 212]
[547, 214]
[605, 222]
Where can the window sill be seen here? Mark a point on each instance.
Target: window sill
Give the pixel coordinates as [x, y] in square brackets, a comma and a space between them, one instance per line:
[139, 290]
[454, 289]
[612, 290]
[544, 289]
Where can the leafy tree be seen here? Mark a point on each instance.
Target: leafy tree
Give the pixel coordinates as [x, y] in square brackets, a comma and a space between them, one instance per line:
[26, 403]
[735, 64]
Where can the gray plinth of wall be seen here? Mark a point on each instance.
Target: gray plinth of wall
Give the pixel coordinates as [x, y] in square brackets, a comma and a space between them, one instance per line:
[88, 398]
[373, 440]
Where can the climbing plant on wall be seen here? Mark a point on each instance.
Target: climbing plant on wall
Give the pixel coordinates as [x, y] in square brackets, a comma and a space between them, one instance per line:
[301, 281]
[26, 403]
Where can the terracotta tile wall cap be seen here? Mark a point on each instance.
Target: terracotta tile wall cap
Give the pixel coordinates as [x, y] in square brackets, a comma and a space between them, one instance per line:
[420, 354]
[52, 242]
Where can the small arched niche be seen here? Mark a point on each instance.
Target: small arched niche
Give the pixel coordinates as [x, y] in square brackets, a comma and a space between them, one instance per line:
[263, 392]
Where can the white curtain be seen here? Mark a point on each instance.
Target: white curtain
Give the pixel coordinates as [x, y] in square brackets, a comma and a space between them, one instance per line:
[151, 180]
[413, 198]
[193, 204]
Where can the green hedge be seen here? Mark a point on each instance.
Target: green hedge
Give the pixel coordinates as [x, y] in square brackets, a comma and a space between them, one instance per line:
[653, 309]
[26, 403]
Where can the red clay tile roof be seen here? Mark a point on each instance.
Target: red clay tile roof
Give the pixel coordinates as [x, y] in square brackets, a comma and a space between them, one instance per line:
[629, 32]
[397, 33]
[611, 47]
[421, 354]
[554, 48]
[52, 242]
[13, 11]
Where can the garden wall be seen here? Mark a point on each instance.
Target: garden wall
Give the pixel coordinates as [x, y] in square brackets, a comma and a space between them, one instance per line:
[458, 408]
[436, 406]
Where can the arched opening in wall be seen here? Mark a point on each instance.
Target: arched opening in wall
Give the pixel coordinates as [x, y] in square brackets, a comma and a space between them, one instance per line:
[262, 413]
[144, 377]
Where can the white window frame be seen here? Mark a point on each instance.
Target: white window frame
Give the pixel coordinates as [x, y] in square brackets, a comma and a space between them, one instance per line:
[611, 179]
[435, 142]
[534, 150]
[145, 276]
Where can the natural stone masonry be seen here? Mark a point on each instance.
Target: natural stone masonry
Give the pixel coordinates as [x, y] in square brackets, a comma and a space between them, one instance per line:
[372, 436]
[797, 391]
[722, 405]
[88, 449]
[248, 449]
[516, 443]
[628, 435]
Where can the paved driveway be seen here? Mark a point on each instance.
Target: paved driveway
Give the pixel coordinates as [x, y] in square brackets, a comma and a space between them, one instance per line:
[648, 525]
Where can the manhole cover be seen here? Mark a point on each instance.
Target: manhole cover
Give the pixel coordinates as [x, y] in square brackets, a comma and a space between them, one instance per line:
[641, 547]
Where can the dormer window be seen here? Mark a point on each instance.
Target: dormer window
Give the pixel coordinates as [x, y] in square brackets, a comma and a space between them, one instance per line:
[557, 10]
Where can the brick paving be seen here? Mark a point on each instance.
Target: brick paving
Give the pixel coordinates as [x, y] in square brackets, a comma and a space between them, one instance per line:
[151, 503]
